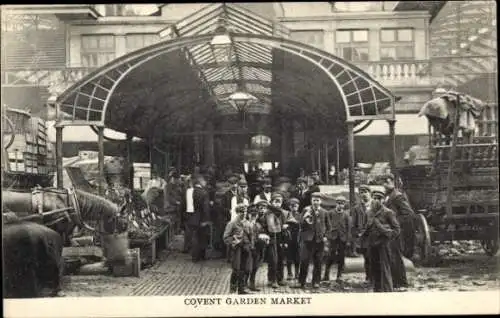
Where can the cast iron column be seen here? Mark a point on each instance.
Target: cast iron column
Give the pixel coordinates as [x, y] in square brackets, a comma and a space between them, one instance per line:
[130, 163]
[209, 145]
[59, 156]
[392, 134]
[100, 159]
[350, 144]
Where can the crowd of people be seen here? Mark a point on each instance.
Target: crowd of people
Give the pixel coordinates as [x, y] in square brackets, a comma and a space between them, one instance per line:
[257, 220]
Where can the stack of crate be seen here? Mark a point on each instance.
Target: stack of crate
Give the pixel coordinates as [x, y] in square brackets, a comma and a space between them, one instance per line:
[35, 154]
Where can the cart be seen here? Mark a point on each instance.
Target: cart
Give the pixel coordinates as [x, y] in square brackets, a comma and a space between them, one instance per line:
[456, 193]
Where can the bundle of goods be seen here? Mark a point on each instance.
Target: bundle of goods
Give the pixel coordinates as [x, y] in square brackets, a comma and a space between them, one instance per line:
[143, 222]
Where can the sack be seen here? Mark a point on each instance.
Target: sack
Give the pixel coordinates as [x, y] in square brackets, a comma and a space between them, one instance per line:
[115, 246]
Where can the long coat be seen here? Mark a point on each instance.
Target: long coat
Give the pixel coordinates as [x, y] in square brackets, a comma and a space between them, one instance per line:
[381, 227]
[201, 203]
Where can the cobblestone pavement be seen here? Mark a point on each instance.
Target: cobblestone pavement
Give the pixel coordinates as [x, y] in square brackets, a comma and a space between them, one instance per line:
[174, 274]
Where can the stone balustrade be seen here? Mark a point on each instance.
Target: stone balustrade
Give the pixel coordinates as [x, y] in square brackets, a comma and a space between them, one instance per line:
[398, 73]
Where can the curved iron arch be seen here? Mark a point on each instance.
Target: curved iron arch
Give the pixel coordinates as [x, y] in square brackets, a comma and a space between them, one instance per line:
[124, 65]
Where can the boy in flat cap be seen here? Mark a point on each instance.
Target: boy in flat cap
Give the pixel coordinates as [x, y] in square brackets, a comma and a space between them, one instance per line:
[238, 237]
[261, 239]
[276, 222]
[339, 236]
[359, 218]
[382, 226]
[314, 226]
[292, 255]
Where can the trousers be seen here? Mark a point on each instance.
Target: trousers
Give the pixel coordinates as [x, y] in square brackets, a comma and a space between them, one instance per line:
[336, 255]
[276, 257]
[311, 250]
[398, 270]
[239, 263]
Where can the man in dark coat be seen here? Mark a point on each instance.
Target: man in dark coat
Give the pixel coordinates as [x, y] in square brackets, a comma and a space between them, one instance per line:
[339, 236]
[314, 226]
[229, 202]
[359, 215]
[381, 227]
[199, 219]
[404, 244]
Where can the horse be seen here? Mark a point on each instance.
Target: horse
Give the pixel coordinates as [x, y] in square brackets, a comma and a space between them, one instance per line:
[32, 256]
[78, 207]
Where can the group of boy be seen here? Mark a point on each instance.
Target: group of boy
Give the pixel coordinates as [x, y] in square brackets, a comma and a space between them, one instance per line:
[294, 235]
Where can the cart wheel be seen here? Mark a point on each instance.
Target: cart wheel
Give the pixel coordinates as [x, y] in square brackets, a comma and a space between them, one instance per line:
[490, 246]
[423, 240]
[10, 132]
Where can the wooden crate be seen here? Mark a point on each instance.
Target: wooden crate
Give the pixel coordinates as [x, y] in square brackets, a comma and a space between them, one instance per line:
[131, 267]
[152, 246]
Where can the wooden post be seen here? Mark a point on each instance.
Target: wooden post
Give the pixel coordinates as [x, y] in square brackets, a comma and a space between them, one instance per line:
[319, 159]
[451, 157]
[59, 156]
[130, 163]
[100, 158]
[350, 143]
[150, 150]
[392, 134]
[327, 165]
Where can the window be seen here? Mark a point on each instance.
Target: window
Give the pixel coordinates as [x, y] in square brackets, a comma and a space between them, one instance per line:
[138, 41]
[311, 37]
[97, 50]
[352, 45]
[396, 44]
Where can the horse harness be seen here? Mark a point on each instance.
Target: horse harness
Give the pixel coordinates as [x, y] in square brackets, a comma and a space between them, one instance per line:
[70, 213]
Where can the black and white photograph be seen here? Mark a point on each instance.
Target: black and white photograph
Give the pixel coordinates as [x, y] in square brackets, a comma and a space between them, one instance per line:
[249, 158]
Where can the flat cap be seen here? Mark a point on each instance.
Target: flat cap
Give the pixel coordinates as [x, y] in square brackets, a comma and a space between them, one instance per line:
[341, 198]
[262, 202]
[241, 208]
[378, 193]
[276, 195]
[267, 182]
[293, 201]
[316, 195]
[364, 187]
[233, 180]
[242, 183]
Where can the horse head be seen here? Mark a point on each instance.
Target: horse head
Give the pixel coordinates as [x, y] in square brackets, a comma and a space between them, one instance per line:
[95, 208]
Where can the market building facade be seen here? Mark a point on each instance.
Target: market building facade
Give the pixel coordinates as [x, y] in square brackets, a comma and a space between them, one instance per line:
[51, 47]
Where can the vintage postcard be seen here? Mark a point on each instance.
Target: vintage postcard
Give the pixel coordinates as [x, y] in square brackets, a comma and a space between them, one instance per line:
[250, 158]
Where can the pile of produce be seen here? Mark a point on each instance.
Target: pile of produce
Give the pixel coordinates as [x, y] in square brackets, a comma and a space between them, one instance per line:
[143, 221]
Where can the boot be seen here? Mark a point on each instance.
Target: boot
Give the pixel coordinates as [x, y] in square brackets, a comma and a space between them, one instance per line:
[289, 271]
[252, 287]
[296, 272]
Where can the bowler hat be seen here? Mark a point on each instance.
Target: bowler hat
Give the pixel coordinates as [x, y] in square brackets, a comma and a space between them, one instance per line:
[267, 182]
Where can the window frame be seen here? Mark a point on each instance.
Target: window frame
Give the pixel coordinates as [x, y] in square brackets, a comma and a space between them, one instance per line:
[397, 43]
[100, 50]
[319, 31]
[340, 46]
[127, 37]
